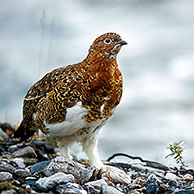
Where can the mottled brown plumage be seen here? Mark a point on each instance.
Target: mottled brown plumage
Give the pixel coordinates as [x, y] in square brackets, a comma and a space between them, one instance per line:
[71, 103]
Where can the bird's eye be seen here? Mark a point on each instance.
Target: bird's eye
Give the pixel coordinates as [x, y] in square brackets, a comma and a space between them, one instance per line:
[107, 41]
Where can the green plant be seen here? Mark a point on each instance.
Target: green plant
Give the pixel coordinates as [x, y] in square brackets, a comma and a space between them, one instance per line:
[176, 152]
[50, 141]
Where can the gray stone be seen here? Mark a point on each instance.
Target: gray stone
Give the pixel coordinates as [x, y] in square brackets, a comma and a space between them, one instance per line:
[152, 186]
[68, 166]
[96, 184]
[19, 162]
[21, 173]
[3, 136]
[184, 191]
[11, 191]
[30, 181]
[27, 152]
[171, 176]
[106, 189]
[70, 188]
[115, 175]
[5, 167]
[39, 166]
[47, 183]
[5, 176]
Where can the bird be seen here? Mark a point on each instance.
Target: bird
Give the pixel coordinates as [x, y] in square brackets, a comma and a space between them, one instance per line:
[71, 103]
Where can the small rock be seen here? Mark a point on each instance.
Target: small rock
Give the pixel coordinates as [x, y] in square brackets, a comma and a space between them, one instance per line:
[183, 191]
[106, 189]
[30, 181]
[30, 161]
[152, 187]
[11, 191]
[115, 175]
[187, 177]
[3, 136]
[68, 166]
[19, 162]
[5, 167]
[27, 152]
[47, 183]
[171, 176]
[71, 188]
[96, 184]
[39, 166]
[21, 174]
[5, 176]
[172, 183]
[38, 142]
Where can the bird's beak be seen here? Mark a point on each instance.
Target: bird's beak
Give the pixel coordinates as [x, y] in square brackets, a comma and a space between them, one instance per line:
[123, 43]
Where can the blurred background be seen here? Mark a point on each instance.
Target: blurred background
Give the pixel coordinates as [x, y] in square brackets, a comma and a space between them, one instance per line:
[157, 108]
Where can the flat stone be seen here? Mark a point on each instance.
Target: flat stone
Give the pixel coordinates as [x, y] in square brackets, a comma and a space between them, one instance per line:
[26, 152]
[187, 177]
[21, 174]
[71, 188]
[47, 183]
[5, 176]
[39, 166]
[5, 167]
[68, 166]
[106, 189]
[152, 187]
[171, 176]
[19, 162]
[96, 184]
[115, 175]
[184, 191]
[11, 191]
[30, 181]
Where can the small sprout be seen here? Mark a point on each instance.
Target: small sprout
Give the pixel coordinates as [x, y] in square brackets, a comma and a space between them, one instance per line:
[51, 142]
[177, 151]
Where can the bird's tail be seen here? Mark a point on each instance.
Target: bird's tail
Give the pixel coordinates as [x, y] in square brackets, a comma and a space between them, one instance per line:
[24, 132]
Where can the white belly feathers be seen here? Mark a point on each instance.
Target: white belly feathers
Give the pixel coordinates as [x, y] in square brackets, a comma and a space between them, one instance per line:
[73, 123]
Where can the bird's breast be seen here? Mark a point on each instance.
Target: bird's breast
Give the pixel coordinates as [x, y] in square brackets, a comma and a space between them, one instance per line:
[75, 122]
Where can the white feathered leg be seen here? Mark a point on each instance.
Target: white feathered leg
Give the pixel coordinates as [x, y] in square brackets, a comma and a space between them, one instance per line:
[90, 147]
[63, 145]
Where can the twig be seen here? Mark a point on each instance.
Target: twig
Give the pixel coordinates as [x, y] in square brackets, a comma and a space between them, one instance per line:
[148, 162]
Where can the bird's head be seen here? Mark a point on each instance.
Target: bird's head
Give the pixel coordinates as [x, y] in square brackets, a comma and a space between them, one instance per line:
[107, 45]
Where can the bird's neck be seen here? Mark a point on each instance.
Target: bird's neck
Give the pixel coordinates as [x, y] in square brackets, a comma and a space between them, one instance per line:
[101, 60]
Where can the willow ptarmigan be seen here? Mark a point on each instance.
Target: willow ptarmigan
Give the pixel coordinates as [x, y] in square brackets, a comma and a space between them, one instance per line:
[72, 103]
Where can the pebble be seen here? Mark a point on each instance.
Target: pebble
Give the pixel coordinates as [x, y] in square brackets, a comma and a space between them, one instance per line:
[171, 176]
[26, 152]
[11, 191]
[30, 181]
[96, 184]
[106, 189]
[152, 187]
[47, 183]
[4, 166]
[19, 162]
[71, 188]
[184, 191]
[21, 174]
[5, 176]
[187, 177]
[115, 175]
[39, 166]
[66, 165]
